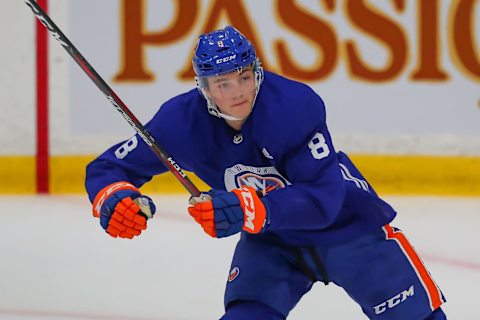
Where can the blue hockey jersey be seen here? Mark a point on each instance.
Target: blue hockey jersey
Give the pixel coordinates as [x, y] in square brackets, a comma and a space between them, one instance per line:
[315, 195]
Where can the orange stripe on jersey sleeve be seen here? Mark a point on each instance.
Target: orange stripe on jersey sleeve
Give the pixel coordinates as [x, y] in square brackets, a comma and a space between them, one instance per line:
[434, 294]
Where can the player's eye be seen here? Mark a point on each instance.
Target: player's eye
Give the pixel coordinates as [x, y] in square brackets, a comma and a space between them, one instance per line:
[224, 85]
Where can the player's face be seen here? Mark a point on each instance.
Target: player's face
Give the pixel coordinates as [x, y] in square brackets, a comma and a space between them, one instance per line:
[233, 92]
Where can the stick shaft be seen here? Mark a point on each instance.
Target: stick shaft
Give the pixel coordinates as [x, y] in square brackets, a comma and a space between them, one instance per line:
[167, 160]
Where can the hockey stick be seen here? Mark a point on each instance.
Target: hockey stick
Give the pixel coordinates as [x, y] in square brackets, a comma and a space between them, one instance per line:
[113, 98]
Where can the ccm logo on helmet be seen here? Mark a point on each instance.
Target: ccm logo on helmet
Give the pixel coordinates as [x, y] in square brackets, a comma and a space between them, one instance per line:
[226, 59]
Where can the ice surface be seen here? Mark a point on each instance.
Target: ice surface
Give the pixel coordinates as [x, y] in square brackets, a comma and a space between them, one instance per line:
[56, 263]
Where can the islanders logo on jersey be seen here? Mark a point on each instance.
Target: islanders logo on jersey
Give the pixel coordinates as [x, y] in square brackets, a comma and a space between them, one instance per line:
[233, 274]
[265, 179]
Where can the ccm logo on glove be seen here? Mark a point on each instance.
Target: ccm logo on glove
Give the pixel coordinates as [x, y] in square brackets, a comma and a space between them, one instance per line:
[222, 214]
[248, 207]
[122, 210]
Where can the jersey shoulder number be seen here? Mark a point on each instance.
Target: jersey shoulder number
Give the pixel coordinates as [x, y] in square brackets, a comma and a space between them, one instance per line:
[126, 147]
[318, 146]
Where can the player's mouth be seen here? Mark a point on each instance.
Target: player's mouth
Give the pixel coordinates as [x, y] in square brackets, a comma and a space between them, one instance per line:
[239, 104]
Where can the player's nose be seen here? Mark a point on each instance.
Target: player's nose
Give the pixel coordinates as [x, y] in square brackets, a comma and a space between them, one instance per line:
[237, 91]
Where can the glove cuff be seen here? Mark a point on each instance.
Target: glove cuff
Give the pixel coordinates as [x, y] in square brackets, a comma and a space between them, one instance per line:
[103, 195]
[255, 212]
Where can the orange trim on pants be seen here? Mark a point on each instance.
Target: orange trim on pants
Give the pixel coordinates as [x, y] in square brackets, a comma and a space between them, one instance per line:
[434, 294]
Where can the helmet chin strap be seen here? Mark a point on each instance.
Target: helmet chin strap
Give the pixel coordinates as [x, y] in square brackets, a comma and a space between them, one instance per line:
[228, 117]
[213, 109]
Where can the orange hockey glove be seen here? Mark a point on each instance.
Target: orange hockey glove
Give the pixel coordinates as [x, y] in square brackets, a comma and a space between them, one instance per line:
[122, 210]
[228, 213]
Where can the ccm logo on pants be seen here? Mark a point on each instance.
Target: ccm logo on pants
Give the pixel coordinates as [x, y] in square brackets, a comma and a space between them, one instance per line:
[393, 302]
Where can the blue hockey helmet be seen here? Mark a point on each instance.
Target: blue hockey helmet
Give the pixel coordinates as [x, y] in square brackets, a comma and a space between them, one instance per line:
[223, 51]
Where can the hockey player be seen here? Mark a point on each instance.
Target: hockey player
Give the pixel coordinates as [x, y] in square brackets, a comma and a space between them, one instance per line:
[304, 211]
